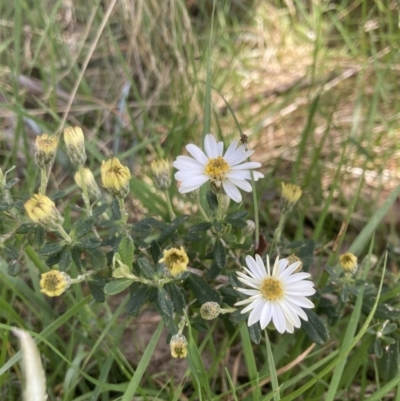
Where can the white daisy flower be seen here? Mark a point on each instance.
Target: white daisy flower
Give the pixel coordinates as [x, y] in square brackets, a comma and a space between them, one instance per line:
[279, 296]
[226, 171]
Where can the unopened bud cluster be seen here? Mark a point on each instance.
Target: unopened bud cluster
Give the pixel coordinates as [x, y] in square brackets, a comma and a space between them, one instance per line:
[46, 147]
[210, 310]
[348, 261]
[161, 174]
[290, 195]
[75, 141]
[115, 177]
[88, 179]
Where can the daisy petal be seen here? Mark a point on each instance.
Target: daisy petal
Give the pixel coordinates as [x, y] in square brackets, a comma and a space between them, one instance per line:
[210, 146]
[232, 191]
[197, 153]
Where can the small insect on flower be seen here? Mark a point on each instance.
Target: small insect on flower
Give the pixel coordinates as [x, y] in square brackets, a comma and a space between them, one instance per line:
[54, 283]
[278, 297]
[46, 146]
[226, 173]
[178, 345]
[175, 260]
[75, 141]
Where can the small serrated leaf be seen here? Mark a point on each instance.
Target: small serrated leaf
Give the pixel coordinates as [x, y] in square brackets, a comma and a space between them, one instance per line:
[146, 268]
[139, 295]
[39, 235]
[76, 257]
[117, 286]
[177, 296]
[212, 200]
[82, 226]
[65, 259]
[219, 254]
[164, 302]
[126, 248]
[255, 333]
[155, 251]
[314, 328]
[25, 228]
[89, 243]
[171, 228]
[199, 228]
[202, 290]
[51, 249]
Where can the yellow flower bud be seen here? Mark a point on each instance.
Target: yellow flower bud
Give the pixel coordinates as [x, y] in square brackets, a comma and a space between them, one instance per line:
[210, 310]
[178, 345]
[46, 146]
[115, 177]
[54, 283]
[290, 195]
[175, 260]
[75, 141]
[42, 210]
[91, 184]
[161, 174]
[348, 262]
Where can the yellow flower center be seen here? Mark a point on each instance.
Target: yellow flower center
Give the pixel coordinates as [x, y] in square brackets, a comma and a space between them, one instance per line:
[217, 168]
[271, 289]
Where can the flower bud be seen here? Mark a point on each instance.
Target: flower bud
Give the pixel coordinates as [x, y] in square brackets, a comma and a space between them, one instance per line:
[175, 260]
[348, 261]
[91, 184]
[178, 345]
[46, 146]
[75, 141]
[290, 195]
[161, 174]
[115, 177]
[42, 210]
[54, 283]
[248, 231]
[293, 259]
[210, 310]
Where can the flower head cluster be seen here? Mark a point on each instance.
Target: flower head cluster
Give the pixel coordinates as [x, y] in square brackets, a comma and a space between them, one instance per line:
[75, 141]
[42, 210]
[178, 345]
[348, 261]
[115, 177]
[226, 173]
[278, 296]
[54, 283]
[291, 193]
[46, 146]
[175, 260]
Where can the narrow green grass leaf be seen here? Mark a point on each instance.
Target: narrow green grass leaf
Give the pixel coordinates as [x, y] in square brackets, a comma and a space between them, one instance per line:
[144, 361]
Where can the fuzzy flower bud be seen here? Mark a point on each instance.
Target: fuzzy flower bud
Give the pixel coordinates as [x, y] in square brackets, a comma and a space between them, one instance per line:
[115, 177]
[175, 260]
[248, 231]
[210, 310]
[348, 261]
[54, 283]
[178, 345]
[91, 184]
[290, 195]
[161, 174]
[75, 141]
[293, 259]
[46, 146]
[42, 210]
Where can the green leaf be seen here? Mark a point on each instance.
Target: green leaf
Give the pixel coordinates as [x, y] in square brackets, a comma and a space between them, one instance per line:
[126, 250]
[65, 259]
[39, 235]
[146, 268]
[199, 228]
[51, 249]
[89, 243]
[171, 228]
[212, 200]
[237, 317]
[164, 302]
[389, 364]
[214, 271]
[116, 212]
[255, 333]
[58, 195]
[82, 226]
[177, 296]
[96, 287]
[139, 295]
[76, 257]
[14, 267]
[314, 328]
[155, 251]
[97, 258]
[383, 311]
[5, 206]
[25, 228]
[141, 227]
[11, 252]
[202, 290]
[100, 210]
[117, 286]
[219, 254]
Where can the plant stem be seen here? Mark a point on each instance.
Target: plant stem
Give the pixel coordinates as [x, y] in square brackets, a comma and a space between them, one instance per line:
[124, 215]
[272, 369]
[278, 233]
[169, 206]
[64, 234]
[43, 181]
